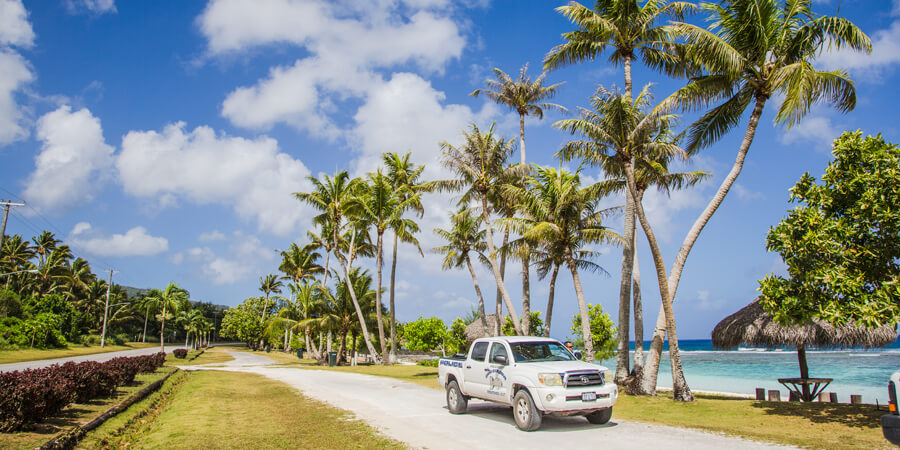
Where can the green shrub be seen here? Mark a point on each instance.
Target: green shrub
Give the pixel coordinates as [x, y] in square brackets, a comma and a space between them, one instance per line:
[180, 353]
[90, 339]
[428, 363]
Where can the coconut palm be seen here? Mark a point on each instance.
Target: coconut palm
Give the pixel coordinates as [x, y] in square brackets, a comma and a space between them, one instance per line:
[628, 31]
[464, 236]
[169, 301]
[480, 165]
[147, 303]
[337, 198]
[560, 212]
[267, 285]
[299, 263]
[44, 244]
[522, 95]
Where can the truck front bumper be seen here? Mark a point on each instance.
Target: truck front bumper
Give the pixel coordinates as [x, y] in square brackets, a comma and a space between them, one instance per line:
[570, 401]
[890, 426]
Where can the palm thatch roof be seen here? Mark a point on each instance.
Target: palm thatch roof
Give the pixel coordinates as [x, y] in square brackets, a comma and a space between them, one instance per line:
[754, 327]
[475, 330]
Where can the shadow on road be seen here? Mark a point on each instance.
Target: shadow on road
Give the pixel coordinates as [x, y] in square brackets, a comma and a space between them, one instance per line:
[555, 424]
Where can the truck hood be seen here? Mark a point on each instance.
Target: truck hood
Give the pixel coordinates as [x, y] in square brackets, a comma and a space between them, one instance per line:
[560, 366]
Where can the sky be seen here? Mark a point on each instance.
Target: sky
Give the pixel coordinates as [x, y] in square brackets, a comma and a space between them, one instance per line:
[164, 139]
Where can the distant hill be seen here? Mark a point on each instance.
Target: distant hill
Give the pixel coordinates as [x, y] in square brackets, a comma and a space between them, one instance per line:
[133, 292]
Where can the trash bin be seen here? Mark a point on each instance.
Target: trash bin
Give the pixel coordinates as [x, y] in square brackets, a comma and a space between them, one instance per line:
[299, 353]
[268, 348]
[332, 359]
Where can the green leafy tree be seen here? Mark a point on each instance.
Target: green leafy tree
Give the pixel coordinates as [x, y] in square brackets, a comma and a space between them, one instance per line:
[603, 333]
[840, 244]
[537, 325]
[242, 322]
[425, 334]
[456, 336]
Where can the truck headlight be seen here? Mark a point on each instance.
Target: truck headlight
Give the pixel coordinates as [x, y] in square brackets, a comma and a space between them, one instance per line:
[550, 379]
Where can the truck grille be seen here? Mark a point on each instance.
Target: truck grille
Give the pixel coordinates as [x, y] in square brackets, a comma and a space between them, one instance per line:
[577, 379]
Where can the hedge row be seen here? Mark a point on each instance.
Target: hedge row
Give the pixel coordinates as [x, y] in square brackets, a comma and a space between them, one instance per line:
[31, 395]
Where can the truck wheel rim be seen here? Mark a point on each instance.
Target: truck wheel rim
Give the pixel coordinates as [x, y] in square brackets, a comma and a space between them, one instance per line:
[522, 411]
[453, 397]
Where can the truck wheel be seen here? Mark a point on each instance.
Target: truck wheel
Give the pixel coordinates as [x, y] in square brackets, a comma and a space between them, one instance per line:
[456, 401]
[600, 417]
[528, 417]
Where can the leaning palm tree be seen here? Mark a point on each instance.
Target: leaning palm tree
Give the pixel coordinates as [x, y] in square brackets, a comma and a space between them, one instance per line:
[628, 31]
[558, 211]
[338, 199]
[147, 303]
[464, 236]
[522, 95]
[480, 167]
[268, 285]
[754, 50]
[168, 301]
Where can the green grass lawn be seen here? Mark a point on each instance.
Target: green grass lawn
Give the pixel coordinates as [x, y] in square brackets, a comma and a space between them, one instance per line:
[212, 355]
[214, 409]
[813, 425]
[75, 414]
[14, 356]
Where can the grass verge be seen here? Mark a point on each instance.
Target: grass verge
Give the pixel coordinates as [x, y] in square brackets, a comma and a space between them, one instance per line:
[75, 414]
[256, 412]
[210, 356]
[14, 356]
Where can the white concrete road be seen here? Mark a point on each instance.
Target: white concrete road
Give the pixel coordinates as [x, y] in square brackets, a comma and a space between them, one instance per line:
[93, 357]
[418, 415]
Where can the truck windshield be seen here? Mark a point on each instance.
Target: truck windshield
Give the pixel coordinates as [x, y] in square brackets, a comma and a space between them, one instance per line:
[540, 351]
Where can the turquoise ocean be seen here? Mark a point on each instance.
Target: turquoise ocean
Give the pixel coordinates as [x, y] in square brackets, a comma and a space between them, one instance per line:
[743, 370]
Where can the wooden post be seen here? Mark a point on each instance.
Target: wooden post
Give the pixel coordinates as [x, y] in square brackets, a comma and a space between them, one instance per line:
[823, 397]
[793, 396]
[760, 394]
[774, 395]
[855, 399]
[832, 397]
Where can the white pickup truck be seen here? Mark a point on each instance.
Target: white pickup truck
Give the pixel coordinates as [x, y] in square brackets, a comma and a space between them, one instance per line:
[534, 375]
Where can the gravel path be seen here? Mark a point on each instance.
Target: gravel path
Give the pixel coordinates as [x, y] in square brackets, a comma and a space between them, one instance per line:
[418, 415]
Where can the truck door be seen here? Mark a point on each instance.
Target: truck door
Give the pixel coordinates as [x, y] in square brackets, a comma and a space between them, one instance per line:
[495, 375]
[475, 370]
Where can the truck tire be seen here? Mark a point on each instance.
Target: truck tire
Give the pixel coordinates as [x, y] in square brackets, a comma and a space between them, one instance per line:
[600, 417]
[528, 417]
[456, 401]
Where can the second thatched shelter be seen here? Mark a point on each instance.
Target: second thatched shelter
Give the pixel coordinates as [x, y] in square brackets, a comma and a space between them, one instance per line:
[476, 330]
[754, 327]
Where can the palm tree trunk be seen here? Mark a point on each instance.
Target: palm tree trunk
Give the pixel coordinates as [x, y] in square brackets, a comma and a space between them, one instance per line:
[681, 391]
[499, 323]
[146, 316]
[582, 308]
[625, 289]
[262, 318]
[627, 67]
[359, 314]
[162, 329]
[378, 264]
[550, 299]
[651, 366]
[492, 257]
[477, 292]
[638, 315]
[522, 136]
[343, 347]
[393, 354]
[187, 335]
[526, 293]
[325, 273]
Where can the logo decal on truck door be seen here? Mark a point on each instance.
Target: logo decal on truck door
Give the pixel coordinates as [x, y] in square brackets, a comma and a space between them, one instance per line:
[495, 379]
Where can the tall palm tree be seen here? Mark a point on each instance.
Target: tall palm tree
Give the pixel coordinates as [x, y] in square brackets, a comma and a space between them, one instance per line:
[267, 285]
[754, 49]
[169, 301]
[480, 165]
[558, 211]
[299, 263]
[44, 244]
[147, 303]
[628, 31]
[464, 236]
[337, 198]
[522, 95]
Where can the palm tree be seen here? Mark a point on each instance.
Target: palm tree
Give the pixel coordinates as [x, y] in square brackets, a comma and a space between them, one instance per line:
[169, 300]
[147, 303]
[523, 96]
[755, 49]
[44, 244]
[480, 166]
[267, 285]
[629, 31]
[559, 212]
[337, 198]
[464, 236]
[299, 263]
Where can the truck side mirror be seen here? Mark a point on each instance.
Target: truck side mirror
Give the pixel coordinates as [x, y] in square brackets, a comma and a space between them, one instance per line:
[500, 359]
[577, 354]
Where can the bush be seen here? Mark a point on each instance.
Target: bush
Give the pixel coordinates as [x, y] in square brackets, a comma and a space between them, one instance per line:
[32, 395]
[91, 379]
[428, 363]
[180, 353]
[90, 339]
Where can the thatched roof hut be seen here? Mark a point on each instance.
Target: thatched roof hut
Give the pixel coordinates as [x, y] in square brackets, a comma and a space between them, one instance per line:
[754, 327]
[476, 330]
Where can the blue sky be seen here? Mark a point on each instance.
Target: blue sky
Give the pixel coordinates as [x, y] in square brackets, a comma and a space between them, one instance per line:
[164, 139]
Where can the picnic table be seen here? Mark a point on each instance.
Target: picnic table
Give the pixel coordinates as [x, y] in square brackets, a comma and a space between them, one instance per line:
[806, 388]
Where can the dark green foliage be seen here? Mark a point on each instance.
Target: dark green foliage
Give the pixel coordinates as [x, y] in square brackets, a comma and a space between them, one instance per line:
[428, 362]
[536, 325]
[842, 244]
[10, 304]
[603, 333]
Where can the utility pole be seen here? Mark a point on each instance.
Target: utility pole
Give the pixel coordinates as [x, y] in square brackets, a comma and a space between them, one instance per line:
[106, 309]
[6, 204]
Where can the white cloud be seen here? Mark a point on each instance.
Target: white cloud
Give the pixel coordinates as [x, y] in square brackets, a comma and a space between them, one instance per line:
[252, 176]
[14, 26]
[14, 74]
[214, 235]
[885, 52]
[661, 208]
[135, 242]
[69, 169]
[244, 258]
[746, 194]
[93, 6]
[706, 303]
[817, 130]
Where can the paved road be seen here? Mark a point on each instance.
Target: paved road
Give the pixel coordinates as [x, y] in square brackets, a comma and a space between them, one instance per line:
[94, 357]
[418, 416]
